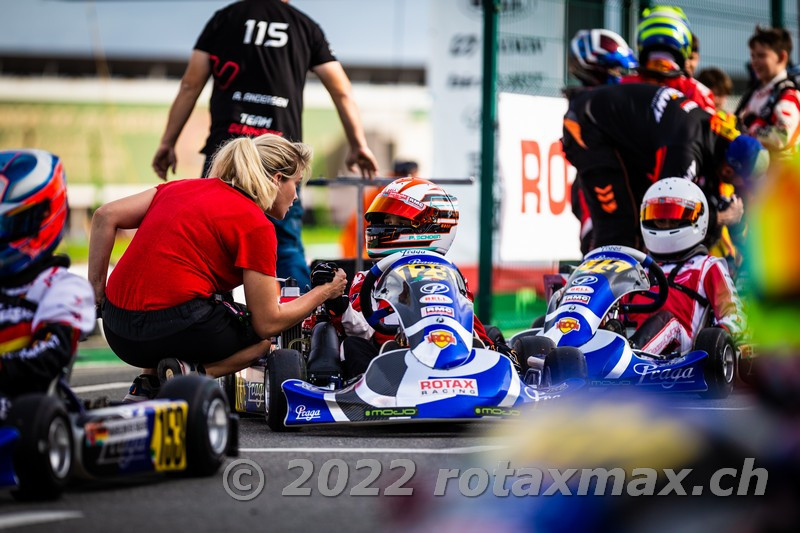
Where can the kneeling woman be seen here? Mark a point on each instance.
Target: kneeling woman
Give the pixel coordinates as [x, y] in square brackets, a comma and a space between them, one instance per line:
[164, 305]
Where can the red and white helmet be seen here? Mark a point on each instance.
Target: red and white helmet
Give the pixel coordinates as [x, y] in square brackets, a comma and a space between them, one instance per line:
[433, 216]
[33, 207]
[674, 216]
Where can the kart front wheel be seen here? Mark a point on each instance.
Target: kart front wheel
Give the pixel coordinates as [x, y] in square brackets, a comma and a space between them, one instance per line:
[281, 365]
[43, 456]
[207, 422]
[720, 367]
[564, 363]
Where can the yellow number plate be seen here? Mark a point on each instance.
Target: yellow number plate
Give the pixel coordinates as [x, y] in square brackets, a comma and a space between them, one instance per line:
[168, 447]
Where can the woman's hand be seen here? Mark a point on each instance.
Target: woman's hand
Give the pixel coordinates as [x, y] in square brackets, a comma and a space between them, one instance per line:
[335, 288]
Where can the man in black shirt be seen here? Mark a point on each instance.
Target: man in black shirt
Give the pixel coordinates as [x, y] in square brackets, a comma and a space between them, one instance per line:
[623, 138]
[259, 52]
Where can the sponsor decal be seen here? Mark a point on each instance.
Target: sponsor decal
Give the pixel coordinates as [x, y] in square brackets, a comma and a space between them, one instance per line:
[579, 298]
[584, 280]
[448, 386]
[437, 310]
[537, 396]
[255, 393]
[609, 382]
[441, 338]
[306, 414]
[406, 199]
[496, 411]
[662, 97]
[567, 325]
[667, 377]
[580, 289]
[435, 299]
[434, 288]
[390, 412]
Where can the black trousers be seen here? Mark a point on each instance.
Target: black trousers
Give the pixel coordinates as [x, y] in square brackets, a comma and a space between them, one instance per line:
[199, 331]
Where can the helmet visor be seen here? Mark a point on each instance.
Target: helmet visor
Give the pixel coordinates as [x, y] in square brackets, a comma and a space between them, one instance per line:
[397, 204]
[23, 222]
[674, 209]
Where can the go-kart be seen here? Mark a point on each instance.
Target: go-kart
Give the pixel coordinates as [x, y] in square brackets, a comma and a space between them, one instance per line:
[49, 439]
[441, 372]
[586, 315]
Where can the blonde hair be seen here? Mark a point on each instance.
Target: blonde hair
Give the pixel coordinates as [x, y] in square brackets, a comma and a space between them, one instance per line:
[251, 164]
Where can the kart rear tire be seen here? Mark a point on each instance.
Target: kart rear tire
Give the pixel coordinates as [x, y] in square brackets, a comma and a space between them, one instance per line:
[495, 335]
[564, 363]
[44, 453]
[207, 421]
[720, 368]
[538, 322]
[281, 365]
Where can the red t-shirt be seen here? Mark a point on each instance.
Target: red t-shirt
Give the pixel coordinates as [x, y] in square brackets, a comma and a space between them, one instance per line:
[195, 240]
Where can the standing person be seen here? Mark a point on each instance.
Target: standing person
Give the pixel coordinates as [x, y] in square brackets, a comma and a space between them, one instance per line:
[596, 57]
[165, 308]
[770, 111]
[259, 52]
[664, 39]
[719, 83]
[694, 58]
[623, 138]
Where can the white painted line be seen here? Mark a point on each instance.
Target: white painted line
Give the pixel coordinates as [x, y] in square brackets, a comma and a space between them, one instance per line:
[36, 517]
[430, 451]
[700, 408]
[103, 386]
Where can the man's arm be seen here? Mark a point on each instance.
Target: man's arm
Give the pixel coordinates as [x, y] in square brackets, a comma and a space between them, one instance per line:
[335, 80]
[194, 79]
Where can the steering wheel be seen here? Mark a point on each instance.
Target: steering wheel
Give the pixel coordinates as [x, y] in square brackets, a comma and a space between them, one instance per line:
[374, 317]
[653, 269]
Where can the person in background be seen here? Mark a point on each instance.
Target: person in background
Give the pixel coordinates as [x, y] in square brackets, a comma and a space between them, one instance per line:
[770, 111]
[664, 39]
[720, 84]
[596, 57]
[259, 52]
[694, 58]
[167, 306]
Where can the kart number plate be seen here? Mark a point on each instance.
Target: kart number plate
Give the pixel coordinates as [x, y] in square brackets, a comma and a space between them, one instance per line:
[599, 266]
[168, 446]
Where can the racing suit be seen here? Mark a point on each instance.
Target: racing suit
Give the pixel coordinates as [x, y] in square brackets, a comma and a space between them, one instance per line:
[43, 313]
[696, 284]
[771, 114]
[363, 342]
[622, 138]
[690, 87]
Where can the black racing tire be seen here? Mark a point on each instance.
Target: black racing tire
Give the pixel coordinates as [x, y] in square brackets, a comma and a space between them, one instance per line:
[207, 421]
[281, 365]
[495, 335]
[538, 322]
[720, 367]
[564, 363]
[533, 346]
[43, 456]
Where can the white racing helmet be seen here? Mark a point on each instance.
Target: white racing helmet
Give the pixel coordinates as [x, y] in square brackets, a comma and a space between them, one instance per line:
[674, 216]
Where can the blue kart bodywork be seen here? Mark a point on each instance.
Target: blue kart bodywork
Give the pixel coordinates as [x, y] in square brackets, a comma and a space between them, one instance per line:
[591, 292]
[440, 376]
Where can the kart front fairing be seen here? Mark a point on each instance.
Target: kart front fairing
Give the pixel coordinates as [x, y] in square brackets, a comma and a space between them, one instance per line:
[590, 292]
[429, 296]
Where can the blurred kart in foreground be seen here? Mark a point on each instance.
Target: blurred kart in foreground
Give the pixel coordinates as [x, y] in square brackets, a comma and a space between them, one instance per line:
[441, 372]
[52, 438]
[585, 318]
